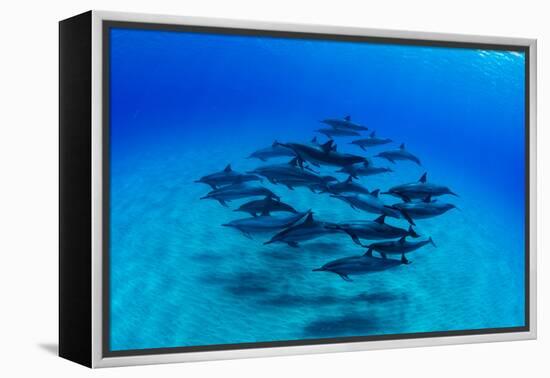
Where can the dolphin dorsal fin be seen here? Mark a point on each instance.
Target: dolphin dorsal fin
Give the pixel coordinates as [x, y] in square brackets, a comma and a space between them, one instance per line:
[402, 240]
[402, 146]
[349, 179]
[327, 146]
[380, 219]
[423, 178]
[375, 192]
[314, 140]
[428, 199]
[227, 169]
[347, 118]
[373, 134]
[309, 218]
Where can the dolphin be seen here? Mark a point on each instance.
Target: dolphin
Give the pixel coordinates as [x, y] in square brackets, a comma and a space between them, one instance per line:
[425, 208]
[347, 186]
[291, 175]
[418, 190]
[365, 169]
[236, 191]
[264, 223]
[400, 154]
[265, 206]
[307, 230]
[337, 132]
[316, 185]
[397, 247]
[372, 204]
[371, 141]
[344, 123]
[273, 151]
[373, 230]
[325, 154]
[226, 177]
[355, 265]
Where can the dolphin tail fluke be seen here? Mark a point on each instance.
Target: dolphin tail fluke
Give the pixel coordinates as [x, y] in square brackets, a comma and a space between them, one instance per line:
[223, 203]
[432, 242]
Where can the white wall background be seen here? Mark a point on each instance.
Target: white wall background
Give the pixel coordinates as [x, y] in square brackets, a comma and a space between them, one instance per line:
[28, 188]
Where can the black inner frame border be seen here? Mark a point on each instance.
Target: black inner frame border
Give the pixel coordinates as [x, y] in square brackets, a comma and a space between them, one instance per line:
[107, 25]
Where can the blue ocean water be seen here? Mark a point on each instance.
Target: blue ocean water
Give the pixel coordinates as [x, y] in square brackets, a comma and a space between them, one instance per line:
[184, 105]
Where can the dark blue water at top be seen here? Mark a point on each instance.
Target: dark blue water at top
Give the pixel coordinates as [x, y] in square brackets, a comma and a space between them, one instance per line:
[184, 105]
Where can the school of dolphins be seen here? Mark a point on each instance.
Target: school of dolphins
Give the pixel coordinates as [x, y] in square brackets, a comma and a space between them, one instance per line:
[417, 199]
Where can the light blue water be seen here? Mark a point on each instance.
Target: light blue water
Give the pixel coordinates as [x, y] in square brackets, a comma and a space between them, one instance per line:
[185, 105]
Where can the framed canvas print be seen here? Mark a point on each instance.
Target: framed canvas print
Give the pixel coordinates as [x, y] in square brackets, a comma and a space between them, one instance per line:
[237, 189]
